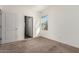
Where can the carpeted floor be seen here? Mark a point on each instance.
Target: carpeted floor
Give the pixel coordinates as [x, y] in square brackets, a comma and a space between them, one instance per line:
[37, 45]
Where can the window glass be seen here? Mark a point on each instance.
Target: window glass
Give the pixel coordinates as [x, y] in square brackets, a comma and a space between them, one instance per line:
[44, 22]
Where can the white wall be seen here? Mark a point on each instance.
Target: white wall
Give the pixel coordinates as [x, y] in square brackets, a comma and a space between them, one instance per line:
[21, 12]
[63, 24]
[0, 25]
[3, 27]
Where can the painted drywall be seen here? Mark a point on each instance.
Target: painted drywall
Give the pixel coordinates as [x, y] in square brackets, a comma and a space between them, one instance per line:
[0, 22]
[21, 12]
[3, 28]
[63, 24]
[0, 25]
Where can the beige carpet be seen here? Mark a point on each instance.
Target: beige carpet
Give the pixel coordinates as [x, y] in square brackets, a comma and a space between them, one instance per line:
[37, 45]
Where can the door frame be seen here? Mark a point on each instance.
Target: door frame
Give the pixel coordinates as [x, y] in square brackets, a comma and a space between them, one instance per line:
[24, 25]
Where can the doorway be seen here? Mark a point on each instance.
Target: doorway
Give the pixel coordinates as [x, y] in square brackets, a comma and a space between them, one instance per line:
[28, 29]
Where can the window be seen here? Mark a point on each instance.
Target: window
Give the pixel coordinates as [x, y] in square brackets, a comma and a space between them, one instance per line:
[44, 23]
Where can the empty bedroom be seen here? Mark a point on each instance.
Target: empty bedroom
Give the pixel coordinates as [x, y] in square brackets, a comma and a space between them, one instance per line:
[39, 28]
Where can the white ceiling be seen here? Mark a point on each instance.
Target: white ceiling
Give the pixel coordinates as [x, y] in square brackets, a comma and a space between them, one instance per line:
[36, 8]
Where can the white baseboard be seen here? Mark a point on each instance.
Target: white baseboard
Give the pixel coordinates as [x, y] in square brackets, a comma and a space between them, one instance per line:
[56, 39]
